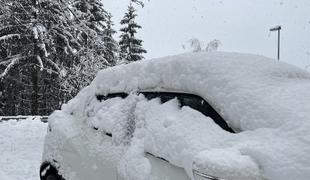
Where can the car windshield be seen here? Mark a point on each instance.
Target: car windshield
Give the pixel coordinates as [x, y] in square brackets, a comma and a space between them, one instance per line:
[192, 101]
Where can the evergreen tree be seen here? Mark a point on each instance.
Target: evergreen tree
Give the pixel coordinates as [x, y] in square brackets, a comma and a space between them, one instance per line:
[111, 46]
[139, 2]
[46, 48]
[90, 17]
[98, 46]
[33, 34]
[130, 47]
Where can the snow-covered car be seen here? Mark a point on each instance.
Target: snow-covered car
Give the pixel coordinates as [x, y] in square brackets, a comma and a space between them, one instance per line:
[193, 116]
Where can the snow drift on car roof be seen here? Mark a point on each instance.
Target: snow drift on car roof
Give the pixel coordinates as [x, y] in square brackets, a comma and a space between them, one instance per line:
[249, 91]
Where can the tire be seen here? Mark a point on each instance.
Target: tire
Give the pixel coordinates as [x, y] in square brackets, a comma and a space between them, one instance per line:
[53, 177]
[49, 172]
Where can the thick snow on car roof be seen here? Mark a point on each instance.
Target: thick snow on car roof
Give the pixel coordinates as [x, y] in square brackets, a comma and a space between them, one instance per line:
[249, 91]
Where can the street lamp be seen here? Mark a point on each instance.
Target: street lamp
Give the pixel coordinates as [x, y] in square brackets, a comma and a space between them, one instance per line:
[277, 28]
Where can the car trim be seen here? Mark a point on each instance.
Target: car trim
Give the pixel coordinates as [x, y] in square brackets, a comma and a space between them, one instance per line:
[205, 176]
[158, 157]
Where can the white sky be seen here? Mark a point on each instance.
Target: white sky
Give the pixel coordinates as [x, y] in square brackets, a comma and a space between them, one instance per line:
[241, 26]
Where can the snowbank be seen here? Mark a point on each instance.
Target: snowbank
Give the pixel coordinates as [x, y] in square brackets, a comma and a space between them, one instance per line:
[266, 101]
[21, 146]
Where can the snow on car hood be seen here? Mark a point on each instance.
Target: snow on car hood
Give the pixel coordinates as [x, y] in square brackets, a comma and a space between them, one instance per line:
[266, 101]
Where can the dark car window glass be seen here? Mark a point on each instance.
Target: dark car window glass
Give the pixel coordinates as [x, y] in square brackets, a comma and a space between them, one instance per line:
[110, 96]
[193, 101]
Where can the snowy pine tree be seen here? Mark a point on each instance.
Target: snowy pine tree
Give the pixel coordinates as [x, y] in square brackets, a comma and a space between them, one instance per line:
[33, 35]
[213, 45]
[46, 47]
[130, 47]
[90, 17]
[139, 2]
[111, 46]
[195, 44]
[95, 34]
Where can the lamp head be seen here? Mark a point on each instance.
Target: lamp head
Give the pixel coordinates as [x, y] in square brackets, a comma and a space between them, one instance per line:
[276, 28]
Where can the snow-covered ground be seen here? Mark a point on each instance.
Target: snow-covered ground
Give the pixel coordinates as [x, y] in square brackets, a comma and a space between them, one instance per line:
[21, 145]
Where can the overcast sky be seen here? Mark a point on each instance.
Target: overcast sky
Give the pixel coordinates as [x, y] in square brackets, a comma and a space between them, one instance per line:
[241, 26]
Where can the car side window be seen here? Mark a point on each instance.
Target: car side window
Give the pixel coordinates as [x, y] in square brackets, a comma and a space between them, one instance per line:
[194, 102]
[109, 96]
[114, 116]
[185, 99]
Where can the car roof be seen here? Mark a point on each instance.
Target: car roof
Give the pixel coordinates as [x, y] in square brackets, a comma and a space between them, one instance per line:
[249, 91]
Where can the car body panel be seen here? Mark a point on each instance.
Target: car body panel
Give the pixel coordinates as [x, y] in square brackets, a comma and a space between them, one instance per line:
[163, 170]
[78, 162]
[79, 159]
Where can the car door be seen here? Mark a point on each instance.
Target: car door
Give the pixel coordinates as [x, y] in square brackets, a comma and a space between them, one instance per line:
[161, 168]
[93, 153]
[80, 161]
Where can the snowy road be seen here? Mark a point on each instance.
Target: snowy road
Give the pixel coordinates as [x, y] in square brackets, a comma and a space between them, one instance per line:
[21, 146]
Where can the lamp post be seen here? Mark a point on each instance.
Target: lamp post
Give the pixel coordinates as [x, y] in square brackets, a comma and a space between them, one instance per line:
[277, 28]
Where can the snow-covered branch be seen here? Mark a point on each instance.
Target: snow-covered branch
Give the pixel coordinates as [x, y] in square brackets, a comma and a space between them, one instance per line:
[9, 36]
[40, 63]
[14, 60]
[53, 64]
[197, 46]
